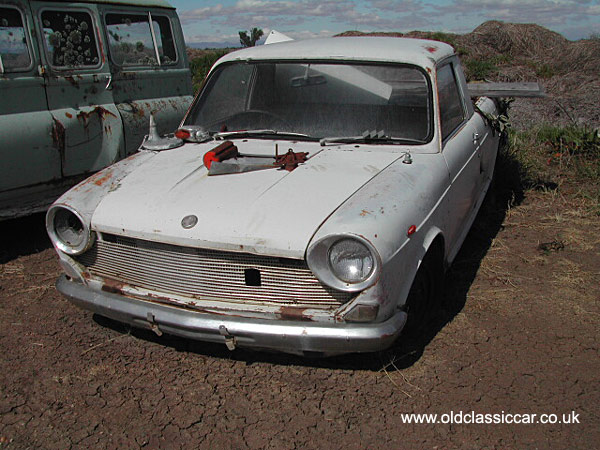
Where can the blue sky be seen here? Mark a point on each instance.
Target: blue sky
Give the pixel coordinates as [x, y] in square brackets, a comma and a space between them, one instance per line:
[220, 21]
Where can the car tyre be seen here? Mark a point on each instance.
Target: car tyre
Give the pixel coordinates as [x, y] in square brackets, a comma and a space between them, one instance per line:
[423, 297]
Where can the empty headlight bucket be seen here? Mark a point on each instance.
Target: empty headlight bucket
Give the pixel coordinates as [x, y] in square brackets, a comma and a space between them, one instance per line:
[351, 261]
[344, 262]
[67, 230]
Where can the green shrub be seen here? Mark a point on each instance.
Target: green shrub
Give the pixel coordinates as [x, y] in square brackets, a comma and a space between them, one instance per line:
[479, 69]
[544, 71]
[200, 66]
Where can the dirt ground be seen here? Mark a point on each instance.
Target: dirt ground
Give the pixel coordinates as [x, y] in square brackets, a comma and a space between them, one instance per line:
[518, 334]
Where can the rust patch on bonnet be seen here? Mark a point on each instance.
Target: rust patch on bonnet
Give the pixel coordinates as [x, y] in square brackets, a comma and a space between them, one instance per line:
[431, 48]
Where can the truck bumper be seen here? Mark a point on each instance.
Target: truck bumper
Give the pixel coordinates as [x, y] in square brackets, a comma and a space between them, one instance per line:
[297, 337]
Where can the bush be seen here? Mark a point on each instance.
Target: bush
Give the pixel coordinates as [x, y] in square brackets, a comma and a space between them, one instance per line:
[201, 65]
[479, 69]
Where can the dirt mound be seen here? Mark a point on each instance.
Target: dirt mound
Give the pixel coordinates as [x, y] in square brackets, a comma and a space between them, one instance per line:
[375, 33]
[499, 51]
[517, 40]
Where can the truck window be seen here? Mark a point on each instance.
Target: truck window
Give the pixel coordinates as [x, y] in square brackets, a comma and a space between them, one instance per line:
[70, 39]
[14, 53]
[133, 43]
[451, 109]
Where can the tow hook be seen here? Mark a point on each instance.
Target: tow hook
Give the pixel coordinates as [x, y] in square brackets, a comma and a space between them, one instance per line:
[229, 339]
[153, 324]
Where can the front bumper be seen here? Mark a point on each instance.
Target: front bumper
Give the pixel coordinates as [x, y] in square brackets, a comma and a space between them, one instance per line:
[297, 337]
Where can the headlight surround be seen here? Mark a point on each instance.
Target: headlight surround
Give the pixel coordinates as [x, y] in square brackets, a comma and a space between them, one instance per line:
[345, 262]
[67, 230]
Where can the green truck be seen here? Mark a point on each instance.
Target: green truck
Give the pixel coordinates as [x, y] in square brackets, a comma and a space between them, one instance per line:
[78, 83]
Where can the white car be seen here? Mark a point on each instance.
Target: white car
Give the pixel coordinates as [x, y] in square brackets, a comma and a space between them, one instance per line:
[319, 183]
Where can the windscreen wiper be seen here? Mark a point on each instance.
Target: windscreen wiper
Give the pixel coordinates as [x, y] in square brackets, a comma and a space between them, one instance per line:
[259, 133]
[370, 137]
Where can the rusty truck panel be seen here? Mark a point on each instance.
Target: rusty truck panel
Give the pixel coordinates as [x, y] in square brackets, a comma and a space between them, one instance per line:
[78, 82]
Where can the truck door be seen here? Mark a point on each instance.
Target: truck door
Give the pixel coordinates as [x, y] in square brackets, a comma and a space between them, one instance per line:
[150, 73]
[87, 124]
[28, 154]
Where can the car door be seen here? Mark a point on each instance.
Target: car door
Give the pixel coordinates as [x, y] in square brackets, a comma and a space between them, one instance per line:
[28, 152]
[87, 124]
[460, 149]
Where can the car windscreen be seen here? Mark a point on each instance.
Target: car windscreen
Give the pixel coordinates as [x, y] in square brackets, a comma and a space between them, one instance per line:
[316, 99]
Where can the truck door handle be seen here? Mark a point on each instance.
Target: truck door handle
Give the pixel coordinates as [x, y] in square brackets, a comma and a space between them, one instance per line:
[476, 138]
[108, 83]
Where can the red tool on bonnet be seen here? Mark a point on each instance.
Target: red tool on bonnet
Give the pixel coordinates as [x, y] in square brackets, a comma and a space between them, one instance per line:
[224, 151]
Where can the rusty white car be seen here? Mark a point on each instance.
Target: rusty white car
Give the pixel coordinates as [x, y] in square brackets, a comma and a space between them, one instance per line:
[315, 196]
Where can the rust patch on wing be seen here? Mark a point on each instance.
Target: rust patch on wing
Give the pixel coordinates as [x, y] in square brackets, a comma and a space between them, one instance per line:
[431, 48]
[98, 179]
[102, 177]
[100, 110]
[58, 135]
[71, 79]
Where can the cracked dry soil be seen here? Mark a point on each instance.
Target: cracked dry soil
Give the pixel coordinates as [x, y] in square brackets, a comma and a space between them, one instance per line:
[518, 333]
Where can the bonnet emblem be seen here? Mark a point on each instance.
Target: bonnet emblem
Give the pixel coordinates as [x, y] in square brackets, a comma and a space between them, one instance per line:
[189, 221]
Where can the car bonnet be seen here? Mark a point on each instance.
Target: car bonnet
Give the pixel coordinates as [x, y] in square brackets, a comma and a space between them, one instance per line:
[273, 212]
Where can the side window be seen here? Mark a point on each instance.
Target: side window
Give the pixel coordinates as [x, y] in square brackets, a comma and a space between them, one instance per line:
[70, 39]
[14, 53]
[132, 41]
[452, 112]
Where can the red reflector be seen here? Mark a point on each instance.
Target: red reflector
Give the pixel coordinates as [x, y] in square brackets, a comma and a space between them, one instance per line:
[411, 230]
[182, 134]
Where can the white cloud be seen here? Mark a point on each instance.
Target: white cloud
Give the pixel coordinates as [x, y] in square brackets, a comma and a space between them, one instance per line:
[303, 17]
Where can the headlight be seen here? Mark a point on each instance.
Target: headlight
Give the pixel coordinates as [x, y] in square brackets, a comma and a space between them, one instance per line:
[351, 261]
[345, 262]
[67, 230]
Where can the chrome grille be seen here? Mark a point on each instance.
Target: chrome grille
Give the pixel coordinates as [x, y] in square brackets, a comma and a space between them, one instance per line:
[208, 274]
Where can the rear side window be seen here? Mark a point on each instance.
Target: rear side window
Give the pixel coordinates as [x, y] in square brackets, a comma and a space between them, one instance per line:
[14, 53]
[140, 40]
[451, 107]
[70, 39]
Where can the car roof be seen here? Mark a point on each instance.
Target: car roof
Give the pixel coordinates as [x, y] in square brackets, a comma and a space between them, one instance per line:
[421, 52]
[147, 3]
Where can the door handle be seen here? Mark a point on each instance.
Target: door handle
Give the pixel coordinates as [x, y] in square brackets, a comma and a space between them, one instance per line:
[108, 83]
[476, 138]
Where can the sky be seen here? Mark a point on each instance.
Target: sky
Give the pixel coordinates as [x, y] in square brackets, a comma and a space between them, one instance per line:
[218, 22]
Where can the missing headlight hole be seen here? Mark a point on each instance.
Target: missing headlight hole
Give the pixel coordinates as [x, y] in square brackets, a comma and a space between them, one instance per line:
[252, 277]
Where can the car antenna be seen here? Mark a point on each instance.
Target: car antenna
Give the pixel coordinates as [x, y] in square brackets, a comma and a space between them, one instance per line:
[153, 141]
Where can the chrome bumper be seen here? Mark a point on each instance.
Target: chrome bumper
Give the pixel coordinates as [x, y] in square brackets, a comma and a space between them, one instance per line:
[280, 335]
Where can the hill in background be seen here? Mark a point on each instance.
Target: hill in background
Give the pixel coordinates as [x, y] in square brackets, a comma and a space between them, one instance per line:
[498, 51]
